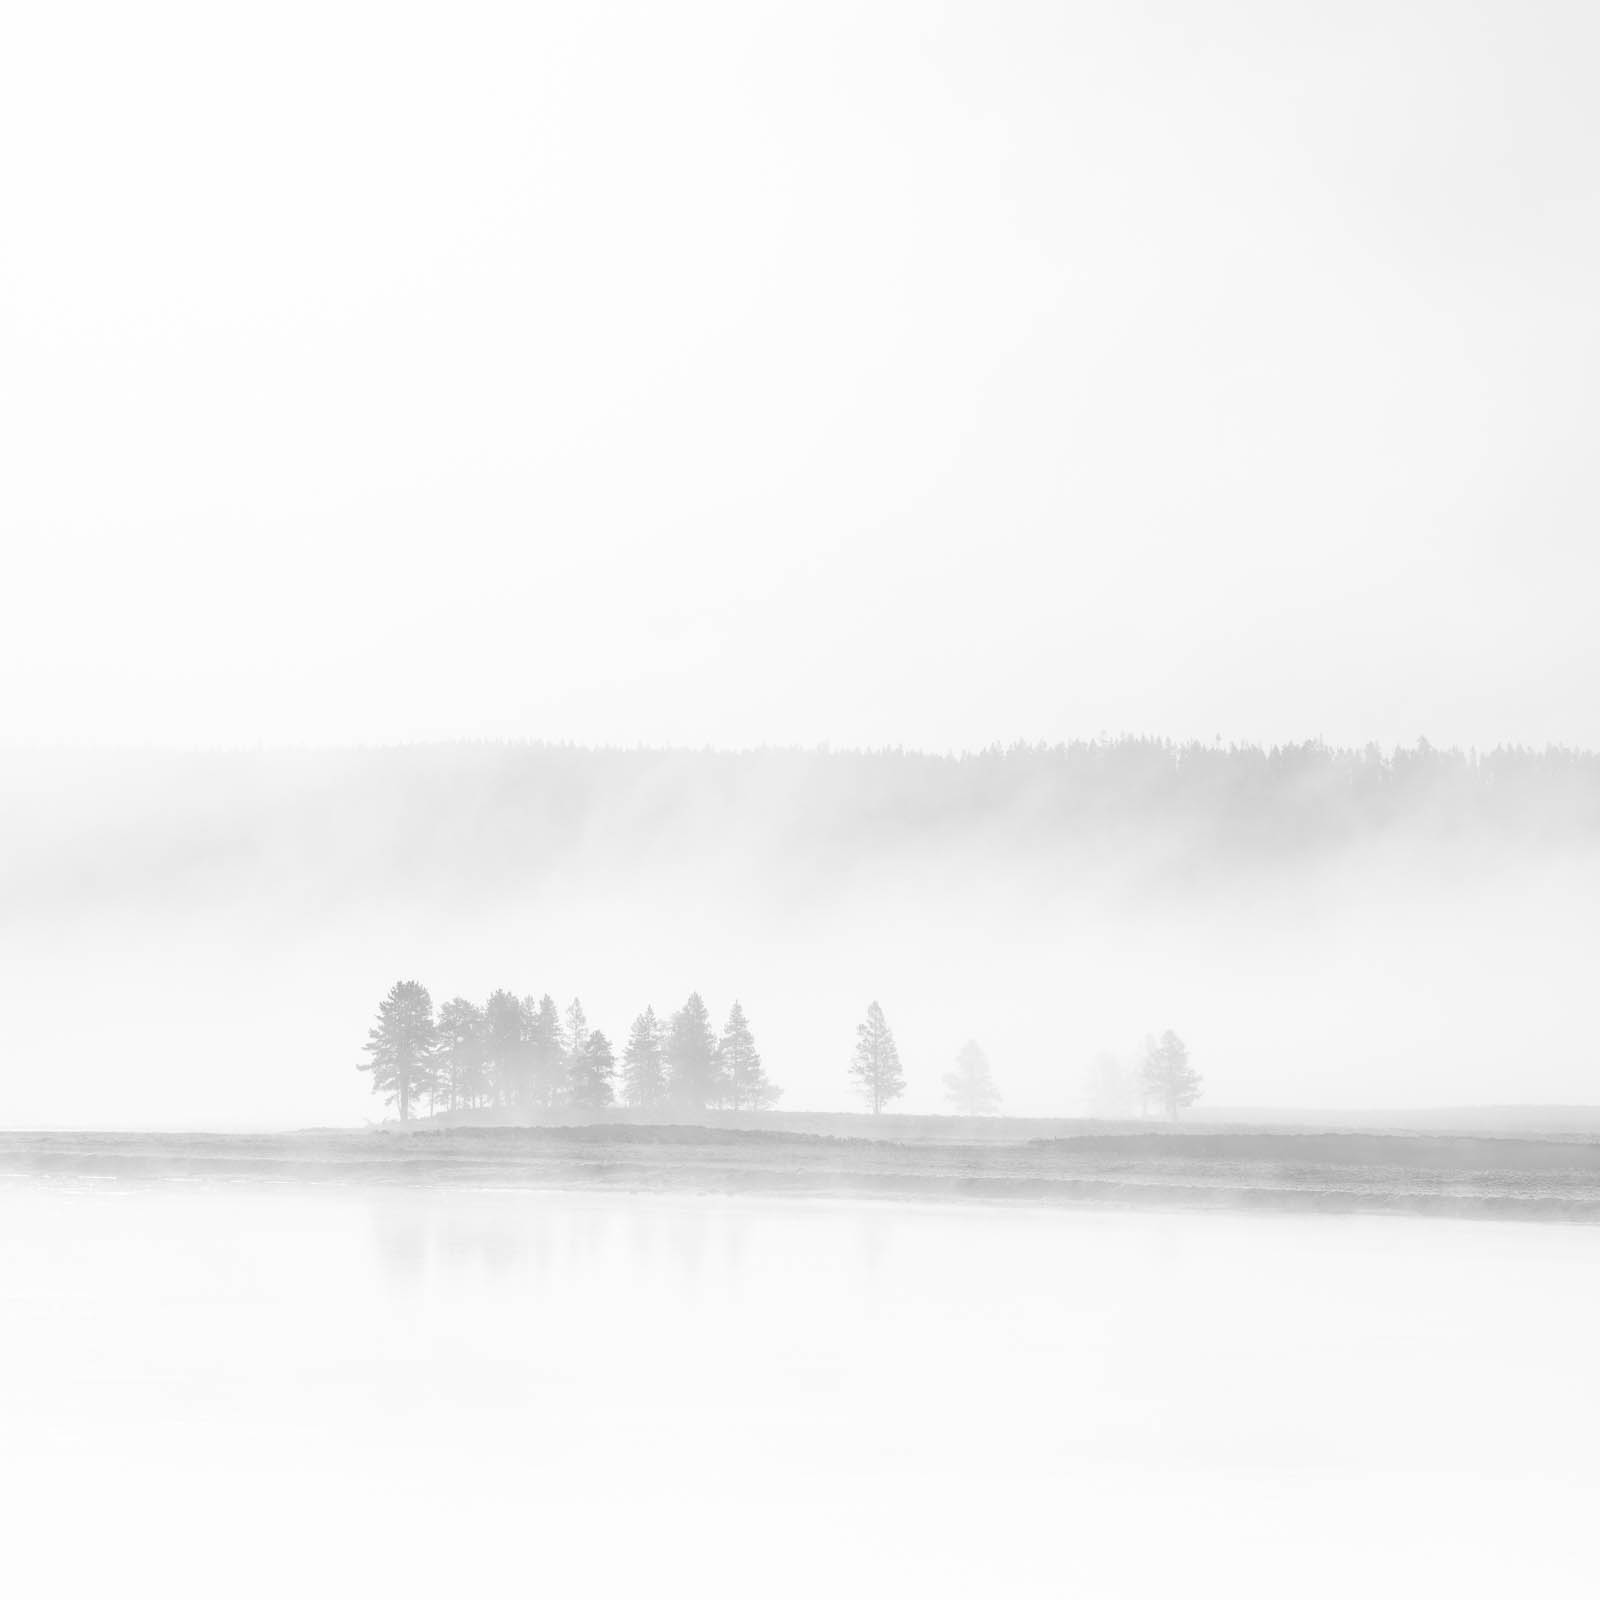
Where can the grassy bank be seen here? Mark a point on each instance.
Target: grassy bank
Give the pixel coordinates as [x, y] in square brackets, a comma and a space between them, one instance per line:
[1278, 1169]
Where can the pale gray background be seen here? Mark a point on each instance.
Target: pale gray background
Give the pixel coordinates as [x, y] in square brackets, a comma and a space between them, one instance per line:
[740, 373]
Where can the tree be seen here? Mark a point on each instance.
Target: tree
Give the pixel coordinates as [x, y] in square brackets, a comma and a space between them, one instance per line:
[461, 1055]
[400, 1047]
[644, 1079]
[593, 1071]
[1167, 1076]
[971, 1088]
[547, 1058]
[574, 1042]
[876, 1064]
[505, 1048]
[744, 1082]
[693, 1075]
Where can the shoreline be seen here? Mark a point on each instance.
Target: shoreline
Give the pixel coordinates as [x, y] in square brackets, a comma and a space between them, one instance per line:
[1308, 1172]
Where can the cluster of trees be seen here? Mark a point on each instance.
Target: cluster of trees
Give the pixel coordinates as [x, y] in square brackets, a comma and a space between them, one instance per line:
[1160, 1076]
[524, 1054]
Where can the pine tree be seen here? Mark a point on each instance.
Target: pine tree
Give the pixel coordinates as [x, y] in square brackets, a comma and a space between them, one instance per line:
[971, 1087]
[505, 1048]
[574, 1043]
[593, 1072]
[644, 1081]
[876, 1064]
[400, 1047]
[547, 1062]
[693, 1071]
[463, 1080]
[745, 1083]
[1167, 1076]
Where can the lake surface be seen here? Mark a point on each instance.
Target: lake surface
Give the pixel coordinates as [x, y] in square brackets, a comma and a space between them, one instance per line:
[240, 1390]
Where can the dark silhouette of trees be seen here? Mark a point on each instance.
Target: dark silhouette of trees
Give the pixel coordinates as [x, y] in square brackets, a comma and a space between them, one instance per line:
[1167, 1077]
[694, 1078]
[593, 1073]
[744, 1081]
[506, 1048]
[515, 1054]
[644, 1077]
[574, 1040]
[876, 1063]
[460, 1059]
[400, 1047]
[547, 1056]
[971, 1087]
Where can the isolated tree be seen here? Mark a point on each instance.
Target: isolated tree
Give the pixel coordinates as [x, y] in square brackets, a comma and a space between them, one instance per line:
[505, 1048]
[461, 1056]
[693, 1071]
[745, 1084]
[1166, 1075]
[547, 1056]
[971, 1087]
[876, 1063]
[593, 1074]
[400, 1047]
[644, 1078]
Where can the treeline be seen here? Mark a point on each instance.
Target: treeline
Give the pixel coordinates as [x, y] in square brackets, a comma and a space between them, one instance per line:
[524, 1054]
[487, 820]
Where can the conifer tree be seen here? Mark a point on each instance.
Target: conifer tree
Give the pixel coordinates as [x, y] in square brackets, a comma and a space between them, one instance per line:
[463, 1082]
[876, 1063]
[505, 1048]
[574, 1042]
[547, 1062]
[745, 1083]
[593, 1073]
[693, 1071]
[1166, 1075]
[644, 1079]
[400, 1047]
[971, 1087]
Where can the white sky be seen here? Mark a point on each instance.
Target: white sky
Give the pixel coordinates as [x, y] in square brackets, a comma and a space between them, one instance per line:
[831, 371]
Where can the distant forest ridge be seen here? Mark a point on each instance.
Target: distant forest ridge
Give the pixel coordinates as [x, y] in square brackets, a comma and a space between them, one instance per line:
[500, 812]
[1111, 777]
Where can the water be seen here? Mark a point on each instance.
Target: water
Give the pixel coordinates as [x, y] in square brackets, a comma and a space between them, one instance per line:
[241, 1391]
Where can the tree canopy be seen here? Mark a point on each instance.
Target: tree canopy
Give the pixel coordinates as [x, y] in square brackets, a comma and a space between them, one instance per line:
[401, 1047]
[522, 1055]
[1166, 1075]
[875, 1067]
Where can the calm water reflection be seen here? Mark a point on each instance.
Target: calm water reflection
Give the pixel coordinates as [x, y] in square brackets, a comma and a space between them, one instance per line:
[247, 1390]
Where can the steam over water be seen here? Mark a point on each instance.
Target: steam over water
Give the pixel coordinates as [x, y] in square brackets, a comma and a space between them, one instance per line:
[256, 1391]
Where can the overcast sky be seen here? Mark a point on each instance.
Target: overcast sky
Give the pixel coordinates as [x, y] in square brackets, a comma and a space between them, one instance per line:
[831, 371]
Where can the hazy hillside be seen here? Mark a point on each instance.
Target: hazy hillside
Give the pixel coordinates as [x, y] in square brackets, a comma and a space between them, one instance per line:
[203, 937]
[486, 820]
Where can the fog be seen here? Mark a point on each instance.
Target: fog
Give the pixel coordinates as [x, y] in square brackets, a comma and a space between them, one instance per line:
[202, 941]
[734, 374]
[1055, 532]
